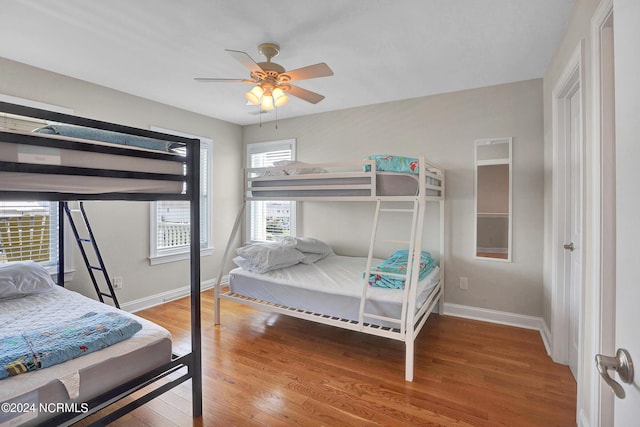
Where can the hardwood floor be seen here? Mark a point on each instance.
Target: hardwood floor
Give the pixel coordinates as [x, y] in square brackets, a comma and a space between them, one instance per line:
[262, 369]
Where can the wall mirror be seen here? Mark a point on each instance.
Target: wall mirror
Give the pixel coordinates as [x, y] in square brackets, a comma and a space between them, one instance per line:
[493, 207]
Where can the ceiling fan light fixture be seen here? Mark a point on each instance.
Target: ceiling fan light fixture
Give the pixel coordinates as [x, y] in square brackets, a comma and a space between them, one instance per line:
[270, 81]
[254, 95]
[267, 102]
[279, 97]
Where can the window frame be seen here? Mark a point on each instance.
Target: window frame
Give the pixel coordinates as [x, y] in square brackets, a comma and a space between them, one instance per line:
[69, 264]
[166, 255]
[263, 147]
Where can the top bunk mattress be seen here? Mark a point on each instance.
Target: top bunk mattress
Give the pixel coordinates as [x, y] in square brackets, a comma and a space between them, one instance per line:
[376, 176]
[387, 184]
[120, 172]
[38, 155]
[147, 349]
[331, 286]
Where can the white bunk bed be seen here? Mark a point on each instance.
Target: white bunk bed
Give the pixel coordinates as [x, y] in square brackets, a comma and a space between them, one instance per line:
[103, 161]
[335, 290]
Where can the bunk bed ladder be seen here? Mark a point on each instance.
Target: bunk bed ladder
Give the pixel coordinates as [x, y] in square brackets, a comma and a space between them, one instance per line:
[410, 262]
[91, 267]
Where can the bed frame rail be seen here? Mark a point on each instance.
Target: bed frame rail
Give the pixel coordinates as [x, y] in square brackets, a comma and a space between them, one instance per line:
[140, 383]
[343, 181]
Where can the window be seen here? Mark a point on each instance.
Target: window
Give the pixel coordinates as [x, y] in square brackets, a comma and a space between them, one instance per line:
[267, 220]
[170, 220]
[29, 229]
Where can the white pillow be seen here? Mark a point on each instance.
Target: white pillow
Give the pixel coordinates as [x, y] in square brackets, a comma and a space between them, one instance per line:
[261, 258]
[307, 244]
[310, 258]
[301, 171]
[24, 278]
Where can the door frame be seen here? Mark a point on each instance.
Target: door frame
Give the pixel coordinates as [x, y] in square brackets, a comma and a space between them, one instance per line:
[570, 81]
[602, 297]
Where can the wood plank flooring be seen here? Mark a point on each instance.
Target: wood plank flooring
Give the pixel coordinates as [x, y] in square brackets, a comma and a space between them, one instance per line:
[262, 369]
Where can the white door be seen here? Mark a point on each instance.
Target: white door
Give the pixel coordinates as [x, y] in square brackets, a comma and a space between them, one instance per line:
[568, 213]
[574, 227]
[627, 129]
[626, 284]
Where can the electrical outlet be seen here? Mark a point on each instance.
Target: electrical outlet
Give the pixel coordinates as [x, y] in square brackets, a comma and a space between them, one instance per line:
[117, 282]
[464, 283]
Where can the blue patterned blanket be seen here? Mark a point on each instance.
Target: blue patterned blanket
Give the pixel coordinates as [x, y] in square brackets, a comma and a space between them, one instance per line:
[47, 346]
[397, 263]
[105, 136]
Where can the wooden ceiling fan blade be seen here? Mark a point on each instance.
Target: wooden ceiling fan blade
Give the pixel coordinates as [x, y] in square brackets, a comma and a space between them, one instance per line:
[305, 94]
[246, 60]
[310, 72]
[213, 79]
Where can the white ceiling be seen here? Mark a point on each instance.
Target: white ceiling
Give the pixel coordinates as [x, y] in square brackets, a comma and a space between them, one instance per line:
[379, 50]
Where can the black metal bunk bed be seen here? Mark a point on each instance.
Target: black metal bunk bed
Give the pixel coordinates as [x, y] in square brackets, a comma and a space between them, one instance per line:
[79, 169]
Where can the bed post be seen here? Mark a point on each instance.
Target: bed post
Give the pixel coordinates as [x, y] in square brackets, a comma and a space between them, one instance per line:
[196, 318]
[225, 258]
[409, 353]
[442, 249]
[60, 278]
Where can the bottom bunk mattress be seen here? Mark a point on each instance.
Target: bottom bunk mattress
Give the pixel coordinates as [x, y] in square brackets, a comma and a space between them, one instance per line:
[78, 379]
[331, 286]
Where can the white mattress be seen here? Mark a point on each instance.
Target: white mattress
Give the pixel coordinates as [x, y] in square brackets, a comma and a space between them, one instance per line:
[147, 349]
[332, 286]
[31, 154]
[319, 185]
[10, 181]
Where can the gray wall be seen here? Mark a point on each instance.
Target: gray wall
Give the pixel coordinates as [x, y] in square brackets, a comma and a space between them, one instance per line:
[122, 228]
[443, 128]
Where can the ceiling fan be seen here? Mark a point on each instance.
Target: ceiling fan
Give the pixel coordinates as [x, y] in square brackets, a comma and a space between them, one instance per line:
[271, 81]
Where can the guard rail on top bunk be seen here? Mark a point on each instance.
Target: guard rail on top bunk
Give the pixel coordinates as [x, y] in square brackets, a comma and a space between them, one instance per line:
[89, 164]
[344, 181]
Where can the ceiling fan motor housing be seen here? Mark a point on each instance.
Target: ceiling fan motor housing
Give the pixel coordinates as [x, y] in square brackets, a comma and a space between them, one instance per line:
[269, 50]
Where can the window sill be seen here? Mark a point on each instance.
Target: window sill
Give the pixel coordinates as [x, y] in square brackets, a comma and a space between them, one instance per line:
[173, 257]
[53, 272]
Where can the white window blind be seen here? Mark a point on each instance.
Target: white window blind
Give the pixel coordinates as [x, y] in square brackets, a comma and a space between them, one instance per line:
[174, 229]
[29, 231]
[170, 220]
[268, 220]
[174, 217]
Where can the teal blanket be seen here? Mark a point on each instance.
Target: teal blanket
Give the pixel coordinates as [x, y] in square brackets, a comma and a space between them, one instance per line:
[388, 163]
[47, 346]
[397, 263]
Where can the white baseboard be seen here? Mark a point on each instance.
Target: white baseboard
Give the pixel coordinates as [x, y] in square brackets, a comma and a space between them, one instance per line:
[546, 336]
[161, 298]
[500, 317]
